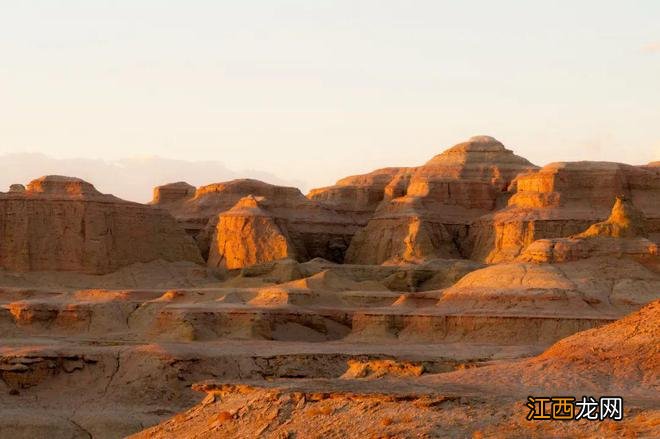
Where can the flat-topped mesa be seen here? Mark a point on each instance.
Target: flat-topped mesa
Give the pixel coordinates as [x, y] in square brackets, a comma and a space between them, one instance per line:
[65, 224]
[316, 230]
[173, 192]
[439, 199]
[248, 234]
[584, 185]
[209, 200]
[563, 199]
[58, 185]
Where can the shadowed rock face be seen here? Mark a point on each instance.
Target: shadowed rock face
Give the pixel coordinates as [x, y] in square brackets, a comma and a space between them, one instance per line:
[65, 224]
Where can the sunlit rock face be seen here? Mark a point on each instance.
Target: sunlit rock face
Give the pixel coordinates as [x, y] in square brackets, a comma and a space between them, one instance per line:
[248, 234]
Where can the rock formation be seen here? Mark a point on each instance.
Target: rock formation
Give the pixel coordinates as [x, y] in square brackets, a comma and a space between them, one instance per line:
[314, 230]
[625, 221]
[560, 200]
[360, 195]
[596, 287]
[65, 224]
[622, 234]
[247, 234]
[438, 199]
[173, 192]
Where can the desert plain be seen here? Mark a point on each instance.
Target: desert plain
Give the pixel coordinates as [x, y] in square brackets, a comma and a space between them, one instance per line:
[428, 301]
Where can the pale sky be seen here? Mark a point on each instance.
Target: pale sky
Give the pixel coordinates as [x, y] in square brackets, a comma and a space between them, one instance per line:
[309, 91]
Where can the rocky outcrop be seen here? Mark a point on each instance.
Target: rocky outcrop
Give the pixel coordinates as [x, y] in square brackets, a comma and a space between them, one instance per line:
[622, 234]
[407, 239]
[429, 217]
[315, 230]
[560, 200]
[625, 221]
[173, 192]
[248, 234]
[64, 224]
[193, 208]
[360, 195]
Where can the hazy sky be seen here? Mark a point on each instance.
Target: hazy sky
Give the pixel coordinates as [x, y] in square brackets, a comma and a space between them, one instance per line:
[313, 90]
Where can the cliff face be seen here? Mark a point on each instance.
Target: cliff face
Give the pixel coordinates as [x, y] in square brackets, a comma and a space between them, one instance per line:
[65, 224]
[441, 198]
[560, 200]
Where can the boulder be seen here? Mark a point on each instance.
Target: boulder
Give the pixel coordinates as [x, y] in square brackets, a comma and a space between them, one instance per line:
[64, 224]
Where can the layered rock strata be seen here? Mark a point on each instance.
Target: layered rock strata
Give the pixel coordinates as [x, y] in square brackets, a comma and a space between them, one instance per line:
[314, 230]
[64, 224]
[431, 215]
[560, 200]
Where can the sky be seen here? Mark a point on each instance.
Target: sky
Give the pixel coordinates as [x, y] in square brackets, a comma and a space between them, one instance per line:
[305, 92]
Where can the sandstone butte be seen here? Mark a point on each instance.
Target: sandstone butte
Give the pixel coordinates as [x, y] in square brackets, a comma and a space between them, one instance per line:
[427, 301]
[477, 200]
[312, 229]
[64, 224]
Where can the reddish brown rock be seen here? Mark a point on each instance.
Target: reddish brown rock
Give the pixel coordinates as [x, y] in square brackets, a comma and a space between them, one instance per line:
[65, 224]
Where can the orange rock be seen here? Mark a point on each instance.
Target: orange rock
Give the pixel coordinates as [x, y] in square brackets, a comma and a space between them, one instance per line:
[314, 230]
[248, 234]
[65, 224]
[625, 221]
[622, 234]
[560, 200]
[360, 195]
[432, 213]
